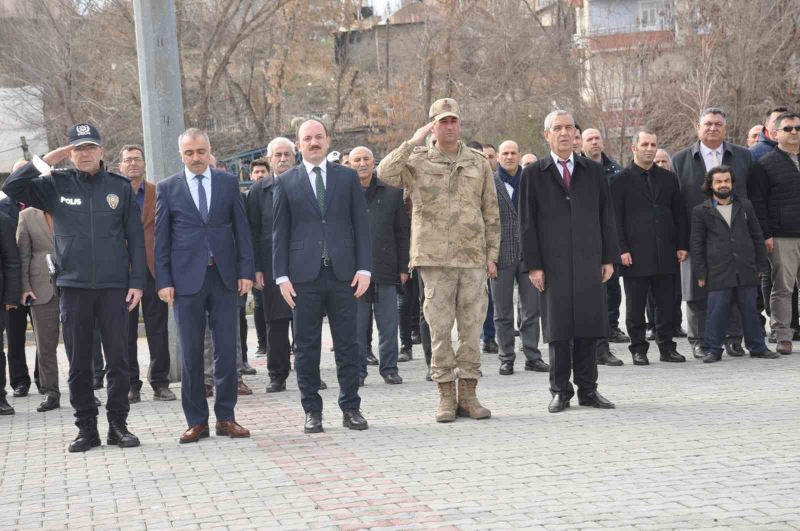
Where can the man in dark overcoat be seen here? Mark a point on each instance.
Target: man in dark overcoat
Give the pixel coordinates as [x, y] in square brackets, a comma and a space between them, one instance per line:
[691, 165]
[653, 239]
[569, 247]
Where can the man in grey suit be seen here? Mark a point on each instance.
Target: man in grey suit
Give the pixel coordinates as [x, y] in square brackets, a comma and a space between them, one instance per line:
[35, 242]
[321, 260]
[691, 165]
[510, 272]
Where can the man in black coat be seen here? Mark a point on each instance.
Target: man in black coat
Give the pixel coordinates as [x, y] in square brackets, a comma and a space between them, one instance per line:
[10, 289]
[276, 313]
[728, 254]
[390, 232]
[691, 165]
[653, 239]
[569, 245]
[776, 198]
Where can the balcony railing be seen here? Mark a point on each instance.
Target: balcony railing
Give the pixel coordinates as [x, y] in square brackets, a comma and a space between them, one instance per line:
[661, 25]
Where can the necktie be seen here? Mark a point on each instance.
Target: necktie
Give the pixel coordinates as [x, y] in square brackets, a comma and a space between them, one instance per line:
[320, 185]
[717, 160]
[567, 176]
[201, 194]
[649, 177]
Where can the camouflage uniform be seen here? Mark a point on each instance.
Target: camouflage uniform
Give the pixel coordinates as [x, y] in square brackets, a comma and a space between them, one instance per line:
[455, 230]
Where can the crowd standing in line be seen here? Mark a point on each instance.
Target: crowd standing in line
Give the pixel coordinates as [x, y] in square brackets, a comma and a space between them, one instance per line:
[441, 232]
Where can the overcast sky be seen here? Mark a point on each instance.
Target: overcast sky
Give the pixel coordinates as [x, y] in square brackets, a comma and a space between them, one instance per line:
[380, 6]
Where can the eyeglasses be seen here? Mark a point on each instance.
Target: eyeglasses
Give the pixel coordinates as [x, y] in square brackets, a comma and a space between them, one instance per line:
[133, 159]
[790, 128]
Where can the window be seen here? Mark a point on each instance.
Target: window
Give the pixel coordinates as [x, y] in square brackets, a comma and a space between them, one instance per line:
[653, 14]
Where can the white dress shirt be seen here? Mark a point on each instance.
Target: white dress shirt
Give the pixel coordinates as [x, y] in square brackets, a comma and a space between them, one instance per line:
[192, 182]
[712, 157]
[570, 163]
[312, 177]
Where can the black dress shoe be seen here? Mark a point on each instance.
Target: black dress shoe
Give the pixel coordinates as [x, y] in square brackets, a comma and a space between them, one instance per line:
[734, 349]
[489, 346]
[679, 332]
[672, 356]
[640, 358]
[98, 383]
[595, 399]
[276, 386]
[506, 368]
[558, 404]
[20, 391]
[119, 435]
[49, 403]
[428, 376]
[371, 359]
[322, 385]
[352, 418]
[134, 396]
[618, 336]
[393, 379]
[247, 369]
[406, 354]
[537, 365]
[313, 422]
[699, 351]
[650, 335]
[606, 357]
[87, 439]
[261, 351]
[712, 358]
[362, 381]
[163, 394]
[5, 407]
[416, 339]
[767, 354]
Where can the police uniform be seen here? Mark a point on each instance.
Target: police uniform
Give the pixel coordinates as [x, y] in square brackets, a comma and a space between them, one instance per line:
[455, 231]
[99, 255]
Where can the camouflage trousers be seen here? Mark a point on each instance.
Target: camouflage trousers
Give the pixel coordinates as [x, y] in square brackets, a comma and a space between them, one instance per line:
[454, 294]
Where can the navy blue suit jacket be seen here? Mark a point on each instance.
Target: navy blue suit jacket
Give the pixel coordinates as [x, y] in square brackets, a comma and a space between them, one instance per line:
[182, 240]
[299, 227]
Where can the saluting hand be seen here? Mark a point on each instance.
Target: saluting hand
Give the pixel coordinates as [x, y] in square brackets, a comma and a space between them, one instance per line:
[58, 154]
[133, 298]
[421, 134]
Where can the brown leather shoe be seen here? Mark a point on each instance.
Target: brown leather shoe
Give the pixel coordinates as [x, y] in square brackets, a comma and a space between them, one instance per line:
[242, 389]
[231, 429]
[194, 434]
[209, 391]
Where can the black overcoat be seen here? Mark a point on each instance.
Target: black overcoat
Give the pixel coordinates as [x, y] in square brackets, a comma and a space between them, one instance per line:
[259, 215]
[727, 256]
[390, 232]
[651, 226]
[691, 170]
[569, 234]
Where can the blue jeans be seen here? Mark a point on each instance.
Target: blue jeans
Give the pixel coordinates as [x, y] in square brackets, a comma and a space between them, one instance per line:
[718, 312]
[384, 306]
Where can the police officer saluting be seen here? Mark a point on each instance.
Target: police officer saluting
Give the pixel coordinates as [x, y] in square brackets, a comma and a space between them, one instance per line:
[101, 270]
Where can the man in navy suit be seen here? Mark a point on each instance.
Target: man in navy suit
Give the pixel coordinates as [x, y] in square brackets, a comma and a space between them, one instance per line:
[321, 261]
[204, 261]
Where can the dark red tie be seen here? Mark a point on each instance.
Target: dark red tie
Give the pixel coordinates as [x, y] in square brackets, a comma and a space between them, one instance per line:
[567, 176]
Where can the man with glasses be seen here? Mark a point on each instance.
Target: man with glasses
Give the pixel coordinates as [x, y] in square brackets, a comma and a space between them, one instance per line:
[776, 198]
[154, 310]
[691, 164]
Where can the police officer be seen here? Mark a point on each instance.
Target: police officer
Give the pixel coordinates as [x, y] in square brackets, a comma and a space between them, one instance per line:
[455, 241]
[100, 270]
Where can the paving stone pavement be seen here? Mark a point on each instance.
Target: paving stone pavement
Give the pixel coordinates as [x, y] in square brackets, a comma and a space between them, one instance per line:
[690, 446]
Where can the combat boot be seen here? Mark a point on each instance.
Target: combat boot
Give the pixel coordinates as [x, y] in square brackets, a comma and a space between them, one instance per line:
[87, 438]
[447, 402]
[468, 405]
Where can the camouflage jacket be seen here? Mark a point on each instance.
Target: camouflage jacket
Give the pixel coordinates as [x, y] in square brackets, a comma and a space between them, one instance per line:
[455, 221]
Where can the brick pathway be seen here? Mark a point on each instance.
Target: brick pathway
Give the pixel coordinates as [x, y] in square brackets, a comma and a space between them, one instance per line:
[690, 446]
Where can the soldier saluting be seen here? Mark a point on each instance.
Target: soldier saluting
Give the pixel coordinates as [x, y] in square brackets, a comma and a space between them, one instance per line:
[455, 243]
[100, 254]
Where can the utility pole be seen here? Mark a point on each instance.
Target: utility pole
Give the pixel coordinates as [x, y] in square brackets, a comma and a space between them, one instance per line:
[162, 107]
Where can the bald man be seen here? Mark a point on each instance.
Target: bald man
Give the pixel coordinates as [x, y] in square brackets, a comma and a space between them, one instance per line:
[753, 134]
[528, 159]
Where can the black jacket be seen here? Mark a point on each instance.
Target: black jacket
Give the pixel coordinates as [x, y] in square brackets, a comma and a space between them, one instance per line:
[390, 231]
[259, 215]
[651, 226]
[775, 193]
[726, 257]
[610, 166]
[10, 268]
[99, 238]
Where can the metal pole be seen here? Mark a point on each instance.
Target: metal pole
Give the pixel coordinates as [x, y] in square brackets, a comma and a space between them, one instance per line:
[162, 106]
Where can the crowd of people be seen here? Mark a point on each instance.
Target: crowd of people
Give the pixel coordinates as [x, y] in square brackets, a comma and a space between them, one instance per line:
[500, 243]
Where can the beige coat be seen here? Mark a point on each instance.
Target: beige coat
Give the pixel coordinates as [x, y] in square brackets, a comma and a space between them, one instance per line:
[35, 240]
